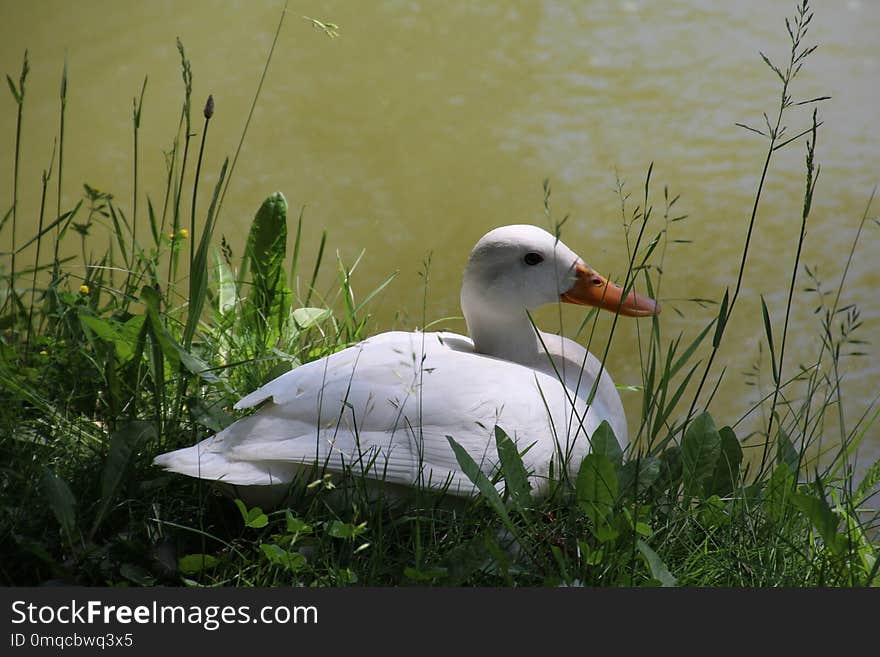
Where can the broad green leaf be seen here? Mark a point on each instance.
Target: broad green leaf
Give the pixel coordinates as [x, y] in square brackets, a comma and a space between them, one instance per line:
[266, 251]
[296, 525]
[160, 334]
[785, 451]
[105, 329]
[308, 317]
[254, 517]
[339, 529]
[61, 501]
[822, 518]
[174, 352]
[194, 364]
[712, 512]
[700, 450]
[209, 416]
[639, 473]
[596, 487]
[481, 481]
[603, 442]
[424, 575]
[670, 467]
[515, 476]
[466, 558]
[137, 574]
[658, 569]
[605, 532]
[196, 563]
[292, 561]
[123, 337]
[780, 488]
[869, 481]
[226, 294]
[726, 474]
[644, 529]
[123, 445]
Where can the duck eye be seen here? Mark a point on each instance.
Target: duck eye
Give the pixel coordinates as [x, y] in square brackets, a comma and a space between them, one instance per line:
[533, 258]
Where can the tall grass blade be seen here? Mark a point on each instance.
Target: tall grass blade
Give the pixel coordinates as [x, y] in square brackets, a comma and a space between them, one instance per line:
[137, 109]
[769, 333]
[247, 122]
[374, 292]
[721, 321]
[30, 321]
[317, 267]
[198, 278]
[19, 100]
[297, 242]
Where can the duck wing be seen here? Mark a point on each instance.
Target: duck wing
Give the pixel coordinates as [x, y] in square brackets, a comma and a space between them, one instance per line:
[384, 408]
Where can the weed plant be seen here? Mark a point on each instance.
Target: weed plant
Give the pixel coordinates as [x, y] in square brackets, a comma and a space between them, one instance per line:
[143, 353]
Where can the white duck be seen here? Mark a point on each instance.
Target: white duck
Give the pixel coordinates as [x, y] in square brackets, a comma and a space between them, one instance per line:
[385, 406]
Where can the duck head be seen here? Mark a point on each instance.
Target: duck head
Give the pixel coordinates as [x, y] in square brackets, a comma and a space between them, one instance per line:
[514, 270]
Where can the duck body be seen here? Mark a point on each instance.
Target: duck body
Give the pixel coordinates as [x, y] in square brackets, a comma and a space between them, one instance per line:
[385, 407]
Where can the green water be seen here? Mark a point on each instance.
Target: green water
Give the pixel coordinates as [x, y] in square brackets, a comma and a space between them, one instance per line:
[425, 124]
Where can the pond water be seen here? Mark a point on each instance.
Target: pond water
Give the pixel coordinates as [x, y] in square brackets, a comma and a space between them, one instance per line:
[425, 124]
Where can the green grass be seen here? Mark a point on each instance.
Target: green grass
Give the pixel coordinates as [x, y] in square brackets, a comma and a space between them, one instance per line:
[101, 372]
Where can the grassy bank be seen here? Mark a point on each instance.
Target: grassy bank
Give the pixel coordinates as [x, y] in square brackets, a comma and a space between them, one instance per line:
[109, 360]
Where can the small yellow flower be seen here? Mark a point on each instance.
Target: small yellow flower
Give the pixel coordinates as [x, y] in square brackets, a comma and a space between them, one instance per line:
[184, 233]
[83, 289]
[171, 236]
[44, 353]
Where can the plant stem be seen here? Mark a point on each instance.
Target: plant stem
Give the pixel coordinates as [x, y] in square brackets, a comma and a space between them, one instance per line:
[251, 112]
[192, 223]
[60, 168]
[136, 120]
[25, 67]
[46, 176]
[808, 200]
[170, 188]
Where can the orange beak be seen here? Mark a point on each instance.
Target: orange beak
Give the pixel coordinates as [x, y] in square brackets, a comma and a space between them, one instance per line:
[591, 289]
